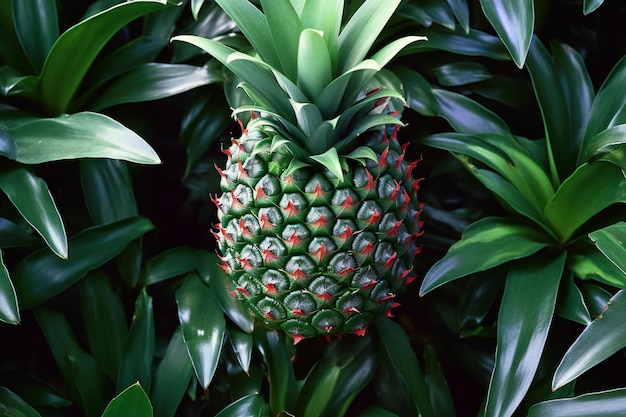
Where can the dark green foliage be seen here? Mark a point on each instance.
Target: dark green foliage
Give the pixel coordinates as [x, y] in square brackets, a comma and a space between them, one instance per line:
[108, 136]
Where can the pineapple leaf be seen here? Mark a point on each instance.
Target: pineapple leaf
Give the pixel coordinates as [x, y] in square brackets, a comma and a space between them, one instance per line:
[314, 63]
[308, 117]
[362, 153]
[365, 124]
[298, 6]
[362, 30]
[325, 16]
[285, 28]
[253, 25]
[323, 137]
[330, 160]
[292, 130]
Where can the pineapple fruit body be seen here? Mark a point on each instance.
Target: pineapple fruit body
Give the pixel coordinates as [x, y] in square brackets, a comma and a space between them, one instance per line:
[313, 254]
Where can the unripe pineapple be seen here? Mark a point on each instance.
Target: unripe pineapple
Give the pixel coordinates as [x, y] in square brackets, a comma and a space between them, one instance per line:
[319, 216]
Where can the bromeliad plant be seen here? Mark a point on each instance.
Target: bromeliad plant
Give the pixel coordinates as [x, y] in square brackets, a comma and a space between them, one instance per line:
[562, 245]
[319, 216]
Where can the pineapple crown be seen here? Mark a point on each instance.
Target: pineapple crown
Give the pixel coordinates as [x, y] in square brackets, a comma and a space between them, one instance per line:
[309, 75]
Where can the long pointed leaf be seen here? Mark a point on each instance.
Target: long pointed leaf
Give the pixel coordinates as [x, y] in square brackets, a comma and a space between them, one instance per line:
[77, 48]
[514, 22]
[37, 27]
[79, 135]
[9, 312]
[12, 405]
[487, 243]
[524, 319]
[611, 241]
[466, 115]
[252, 405]
[285, 28]
[31, 197]
[203, 324]
[133, 401]
[610, 403]
[601, 339]
[42, 275]
[606, 141]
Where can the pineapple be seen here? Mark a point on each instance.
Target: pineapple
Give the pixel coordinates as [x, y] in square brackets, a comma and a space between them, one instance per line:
[319, 218]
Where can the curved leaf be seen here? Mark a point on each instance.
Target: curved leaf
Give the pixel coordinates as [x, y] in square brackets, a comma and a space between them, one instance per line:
[203, 325]
[605, 141]
[473, 43]
[133, 401]
[599, 184]
[170, 263]
[37, 28]
[611, 241]
[601, 339]
[171, 377]
[524, 319]
[315, 64]
[606, 404]
[136, 362]
[514, 22]
[252, 405]
[80, 135]
[154, 81]
[77, 48]
[487, 243]
[42, 275]
[9, 312]
[440, 396]
[12, 405]
[403, 360]
[31, 197]
[466, 115]
[8, 148]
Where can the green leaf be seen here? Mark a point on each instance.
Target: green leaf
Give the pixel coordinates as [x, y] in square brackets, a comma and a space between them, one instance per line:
[281, 375]
[487, 243]
[472, 43]
[418, 92]
[466, 115]
[196, 5]
[285, 28]
[514, 23]
[154, 81]
[42, 275]
[610, 403]
[330, 160]
[606, 141]
[554, 110]
[242, 345]
[108, 190]
[136, 362]
[571, 303]
[90, 381]
[589, 263]
[314, 63]
[171, 377]
[31, 197]
[203, 325]
[78, 47]
[105, 322]
[80, 135]
[377, 412]
[220, 281]
[590, 6]
[461, 11]
[326, 17]
[608, 104]
[37, 28]
[170, 263]
[461, 73]
[404, 362]
[611, 241]
[13, 405]
[253, 25]
[440, 396]
[9, 312]
[601, 339]
[32, 390]
[360, 32]
[8, 148]
[599, 184]
[252, 405]
[524, 319]
[133, 401]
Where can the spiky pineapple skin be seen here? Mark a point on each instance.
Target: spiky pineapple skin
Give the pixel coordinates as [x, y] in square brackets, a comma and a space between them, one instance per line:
[312, 254]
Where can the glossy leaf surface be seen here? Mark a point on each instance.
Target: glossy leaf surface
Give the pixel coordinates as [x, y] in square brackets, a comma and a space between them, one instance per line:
[253, 406]
[601, 339]
[485, 244]
[514, 22]
[12, 405]
[37, 27]
[32, 198]
[9, 312]
[524, 319]
[611, 241]
[41, 275]
[80, 135]
[133, 401]
[606, 404]
[170, 263]
[203, 325]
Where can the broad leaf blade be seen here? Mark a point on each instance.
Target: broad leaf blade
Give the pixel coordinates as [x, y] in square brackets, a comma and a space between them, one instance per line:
[12, 405]
[466, 115]
[590, 6]
[514, 22]
[601, 339]
[171, 377]
[487, 243]
[611, 241]
[37, 28]
[203, 324]
[133, 401]
[606, 404]
[524, 319]
[252, 405]
[606, 141]
[42, 275]
[78, 47]
[9, 312]
[136, 362]
[31, 197]
[79, 135]
[170, 263]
